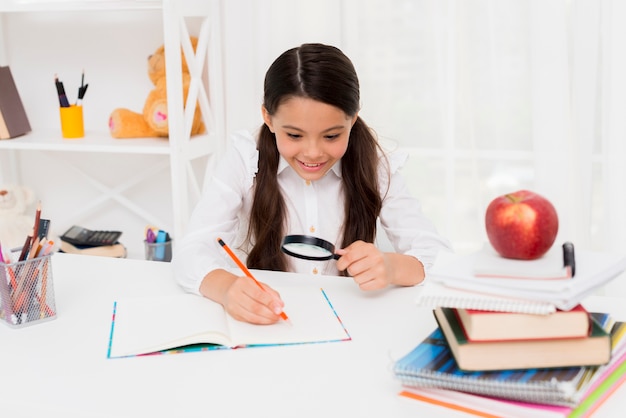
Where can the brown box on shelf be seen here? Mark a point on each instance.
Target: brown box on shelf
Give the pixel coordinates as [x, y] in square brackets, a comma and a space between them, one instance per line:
[13, 119]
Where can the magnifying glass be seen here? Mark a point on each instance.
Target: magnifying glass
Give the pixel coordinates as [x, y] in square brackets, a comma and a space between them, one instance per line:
[308, 248]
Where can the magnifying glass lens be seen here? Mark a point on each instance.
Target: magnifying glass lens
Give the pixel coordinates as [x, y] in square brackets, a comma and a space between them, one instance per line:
[308, 250]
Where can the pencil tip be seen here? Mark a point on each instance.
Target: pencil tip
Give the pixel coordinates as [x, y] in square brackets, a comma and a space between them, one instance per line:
[222, 243]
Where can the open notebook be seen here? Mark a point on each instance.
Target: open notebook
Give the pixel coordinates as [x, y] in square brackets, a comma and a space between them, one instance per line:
[186, 322]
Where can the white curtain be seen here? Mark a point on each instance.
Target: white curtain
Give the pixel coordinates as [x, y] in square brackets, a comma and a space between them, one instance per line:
[490, 96]
[578, 106]
[487, 96]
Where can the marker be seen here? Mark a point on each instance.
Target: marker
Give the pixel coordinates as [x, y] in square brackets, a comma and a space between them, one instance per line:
[159, 251]
[568, 257]
[150, 236]
[245, 270]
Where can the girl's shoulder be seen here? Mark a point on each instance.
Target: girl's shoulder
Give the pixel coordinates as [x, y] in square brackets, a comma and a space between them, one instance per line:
[391, 160]
[243, 144]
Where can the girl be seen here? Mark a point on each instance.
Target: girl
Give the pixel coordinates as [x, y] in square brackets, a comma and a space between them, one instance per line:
[316, 169]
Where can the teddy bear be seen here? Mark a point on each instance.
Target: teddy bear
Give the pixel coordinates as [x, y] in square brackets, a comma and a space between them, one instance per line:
[153, 122]
[15, 223]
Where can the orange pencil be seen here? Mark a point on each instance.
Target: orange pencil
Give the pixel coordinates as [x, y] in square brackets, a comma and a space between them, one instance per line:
[44, 283]
[37, 219]
[245, 270]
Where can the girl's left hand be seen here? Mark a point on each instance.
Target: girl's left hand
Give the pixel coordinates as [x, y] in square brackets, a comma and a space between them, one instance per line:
[366, 264]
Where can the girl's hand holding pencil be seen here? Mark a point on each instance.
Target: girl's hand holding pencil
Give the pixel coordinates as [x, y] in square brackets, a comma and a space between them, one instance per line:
[246, 299]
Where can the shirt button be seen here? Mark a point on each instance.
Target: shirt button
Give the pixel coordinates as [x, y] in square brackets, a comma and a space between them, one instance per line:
[314, 271]
[308, 182]
[311, 229]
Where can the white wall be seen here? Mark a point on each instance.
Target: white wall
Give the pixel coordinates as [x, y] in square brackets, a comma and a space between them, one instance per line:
[466, 145]
[256, 33]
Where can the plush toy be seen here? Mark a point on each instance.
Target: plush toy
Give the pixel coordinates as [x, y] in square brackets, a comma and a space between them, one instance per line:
[16, 223]
[153, 122]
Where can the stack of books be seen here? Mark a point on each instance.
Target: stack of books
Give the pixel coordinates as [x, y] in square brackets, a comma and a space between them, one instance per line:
[522, 346]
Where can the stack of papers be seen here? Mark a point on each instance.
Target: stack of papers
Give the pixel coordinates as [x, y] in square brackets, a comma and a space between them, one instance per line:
[459, 281]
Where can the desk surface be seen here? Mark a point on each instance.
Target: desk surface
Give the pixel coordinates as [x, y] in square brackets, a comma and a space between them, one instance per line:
[59, 368]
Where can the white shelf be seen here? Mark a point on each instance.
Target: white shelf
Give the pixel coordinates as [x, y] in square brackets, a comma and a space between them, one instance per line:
[92, 142]
[102, 142]
[73, 5]
[179, 151]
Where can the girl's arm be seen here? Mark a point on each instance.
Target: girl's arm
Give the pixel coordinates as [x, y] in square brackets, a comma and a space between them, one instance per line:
[406, 226]
[216, 215]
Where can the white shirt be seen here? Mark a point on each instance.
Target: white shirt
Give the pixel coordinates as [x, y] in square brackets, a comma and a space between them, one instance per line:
[313, 208]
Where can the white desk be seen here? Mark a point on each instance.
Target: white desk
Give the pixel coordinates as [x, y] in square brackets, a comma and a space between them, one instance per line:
[59, 368]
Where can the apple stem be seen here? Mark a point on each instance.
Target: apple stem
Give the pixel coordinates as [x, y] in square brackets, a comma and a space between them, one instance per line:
[512, 198]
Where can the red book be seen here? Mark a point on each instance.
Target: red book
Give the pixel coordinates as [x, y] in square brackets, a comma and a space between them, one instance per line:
[500, 326]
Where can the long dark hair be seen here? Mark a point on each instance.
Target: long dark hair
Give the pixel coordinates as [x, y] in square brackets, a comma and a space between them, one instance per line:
[323, 73]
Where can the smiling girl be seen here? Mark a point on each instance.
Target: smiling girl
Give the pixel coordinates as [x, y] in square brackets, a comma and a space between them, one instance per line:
[315, 169]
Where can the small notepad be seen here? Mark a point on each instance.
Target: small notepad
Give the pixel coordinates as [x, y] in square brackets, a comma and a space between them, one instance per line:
[488, 263]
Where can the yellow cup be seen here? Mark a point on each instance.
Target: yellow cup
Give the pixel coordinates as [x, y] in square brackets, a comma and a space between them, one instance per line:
[72, 122]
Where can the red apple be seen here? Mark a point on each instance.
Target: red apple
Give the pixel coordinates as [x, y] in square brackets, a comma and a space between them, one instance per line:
[521, 225]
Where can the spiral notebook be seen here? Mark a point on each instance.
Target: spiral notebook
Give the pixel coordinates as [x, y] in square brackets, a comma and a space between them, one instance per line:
[434, 294]
[431, 365]
[599, 386]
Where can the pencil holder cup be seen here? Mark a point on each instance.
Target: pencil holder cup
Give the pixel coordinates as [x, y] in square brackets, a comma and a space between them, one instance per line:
[158, 251]
[72, 122]
[26, 292]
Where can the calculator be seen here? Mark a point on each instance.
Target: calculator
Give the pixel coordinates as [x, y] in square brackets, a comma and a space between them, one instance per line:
[77, 235]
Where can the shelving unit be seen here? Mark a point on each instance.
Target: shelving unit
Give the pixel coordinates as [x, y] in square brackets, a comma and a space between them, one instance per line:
[180, 149]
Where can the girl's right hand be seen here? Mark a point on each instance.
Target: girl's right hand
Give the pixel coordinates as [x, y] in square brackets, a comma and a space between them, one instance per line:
[245, 301]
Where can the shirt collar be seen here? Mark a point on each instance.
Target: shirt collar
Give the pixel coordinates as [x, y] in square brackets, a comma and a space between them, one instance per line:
[283, 165]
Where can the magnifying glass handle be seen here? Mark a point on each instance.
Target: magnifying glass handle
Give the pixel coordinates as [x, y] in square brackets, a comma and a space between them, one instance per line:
[336, 256]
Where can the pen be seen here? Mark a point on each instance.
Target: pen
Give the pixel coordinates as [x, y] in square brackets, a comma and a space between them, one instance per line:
[568, 258]
[25, 248]
[82, 89]
[61, 92]
[245, 270]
